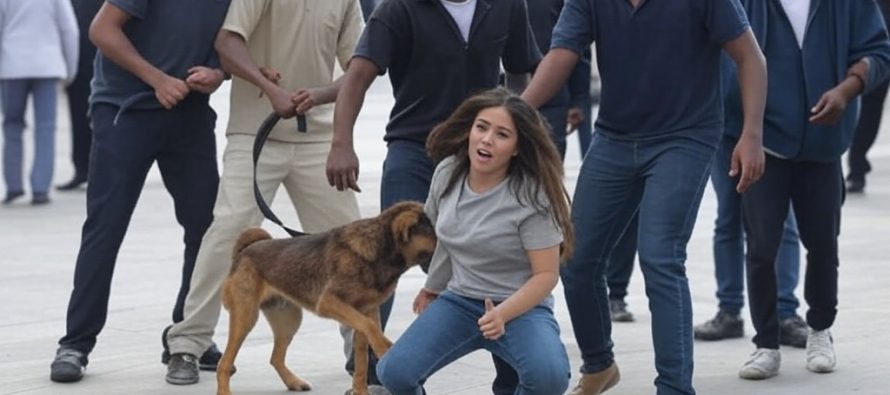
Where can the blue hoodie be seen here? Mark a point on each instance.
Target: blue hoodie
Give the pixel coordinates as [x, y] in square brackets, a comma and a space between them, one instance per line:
[839, 34]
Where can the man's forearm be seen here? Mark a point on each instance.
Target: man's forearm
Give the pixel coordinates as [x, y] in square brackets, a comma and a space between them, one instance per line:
[236, 60]
[115, 46]
[752, 81]
[551, 75]
[860, 72]
[350, 98]
[328, 93]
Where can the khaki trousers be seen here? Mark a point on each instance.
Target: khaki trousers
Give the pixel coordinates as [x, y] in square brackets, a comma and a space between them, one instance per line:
[300, 167]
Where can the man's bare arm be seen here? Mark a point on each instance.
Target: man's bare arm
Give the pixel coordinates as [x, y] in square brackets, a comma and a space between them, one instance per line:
[235, 58]
[551, 75]
[342, 166]
[747, 157]
[106, 32]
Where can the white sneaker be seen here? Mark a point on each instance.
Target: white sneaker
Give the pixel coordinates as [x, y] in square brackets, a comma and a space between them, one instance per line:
[763, 364]
[820, 352]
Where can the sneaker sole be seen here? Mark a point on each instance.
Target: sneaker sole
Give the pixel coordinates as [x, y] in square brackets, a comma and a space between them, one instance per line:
[180, 381]
[65, 378]
[820, 369]
[708, 337]
[757, 375]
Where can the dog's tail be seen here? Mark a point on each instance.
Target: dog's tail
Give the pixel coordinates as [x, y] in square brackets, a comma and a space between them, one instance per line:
[247, 238]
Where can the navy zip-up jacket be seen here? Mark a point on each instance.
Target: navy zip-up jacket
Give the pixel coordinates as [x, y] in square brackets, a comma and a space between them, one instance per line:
[839, 34]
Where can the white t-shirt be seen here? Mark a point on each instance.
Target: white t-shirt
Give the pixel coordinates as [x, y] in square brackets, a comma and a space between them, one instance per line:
[462, 12]
[798, 11]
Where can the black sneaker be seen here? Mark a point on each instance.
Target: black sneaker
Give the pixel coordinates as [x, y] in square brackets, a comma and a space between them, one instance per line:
[68, 365]
[207, 362]
[722, 326]
[182, 369]
[618, 311]
[210, 359]
[794, 332]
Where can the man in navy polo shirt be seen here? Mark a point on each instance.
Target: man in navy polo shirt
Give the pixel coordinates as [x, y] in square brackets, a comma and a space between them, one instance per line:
[150, 102]
[659, 124]
[437, 53]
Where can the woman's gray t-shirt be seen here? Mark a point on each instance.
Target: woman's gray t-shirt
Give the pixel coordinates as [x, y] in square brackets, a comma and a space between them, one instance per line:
[484, 237]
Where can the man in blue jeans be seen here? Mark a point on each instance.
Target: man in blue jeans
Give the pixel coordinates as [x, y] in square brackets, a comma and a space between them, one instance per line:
[658, 127]
[729, 264]
[437, 54]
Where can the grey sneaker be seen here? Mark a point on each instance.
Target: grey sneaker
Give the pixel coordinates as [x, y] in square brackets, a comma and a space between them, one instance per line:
[373, 389]
[208, 360]
[182, 369]
[618, 311]
[763, 364]
[68, 365]
[794, 332]
[722, 326]
[820, 352]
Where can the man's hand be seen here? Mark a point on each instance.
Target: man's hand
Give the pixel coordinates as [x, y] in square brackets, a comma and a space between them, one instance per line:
[170, 91]
[282, 103]
[573, 119]
[830, 107]
[271, 74]
[304, 100]
[492, 324]
[748, 159]
[342, 168]
[204, 79]
[423, 300]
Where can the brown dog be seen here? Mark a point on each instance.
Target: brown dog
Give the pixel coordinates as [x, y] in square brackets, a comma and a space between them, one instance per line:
[343, 274]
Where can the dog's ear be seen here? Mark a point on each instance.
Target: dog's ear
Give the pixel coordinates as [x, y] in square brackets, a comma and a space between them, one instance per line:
[402, 224]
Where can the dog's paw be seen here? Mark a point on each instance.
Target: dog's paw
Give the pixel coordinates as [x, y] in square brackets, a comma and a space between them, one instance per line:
[297, 384]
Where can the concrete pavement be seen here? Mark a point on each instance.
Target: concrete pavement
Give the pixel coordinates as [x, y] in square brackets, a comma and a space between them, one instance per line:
[39, 245]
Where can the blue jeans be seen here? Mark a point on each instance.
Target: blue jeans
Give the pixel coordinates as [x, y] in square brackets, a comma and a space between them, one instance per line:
[620, 266]
[15, 100]
[448, 330]
[407, 174]
[585, 130]
[729, 251]
[664, 180]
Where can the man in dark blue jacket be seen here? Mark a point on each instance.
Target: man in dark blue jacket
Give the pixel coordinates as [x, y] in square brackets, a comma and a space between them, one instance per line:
[821, 55]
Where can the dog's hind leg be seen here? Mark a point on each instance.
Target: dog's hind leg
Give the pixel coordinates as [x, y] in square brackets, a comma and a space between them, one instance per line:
[242, 291]
[284, 318]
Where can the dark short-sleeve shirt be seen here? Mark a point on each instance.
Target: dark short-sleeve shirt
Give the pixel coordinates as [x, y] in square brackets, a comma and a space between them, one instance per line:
[432, 68]
[172, 35]
[659, 63]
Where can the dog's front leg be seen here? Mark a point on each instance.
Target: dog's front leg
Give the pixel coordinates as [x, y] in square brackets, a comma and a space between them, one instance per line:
[331, 306]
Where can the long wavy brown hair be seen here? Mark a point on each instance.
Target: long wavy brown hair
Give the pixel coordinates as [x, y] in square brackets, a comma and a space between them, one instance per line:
[537, 166]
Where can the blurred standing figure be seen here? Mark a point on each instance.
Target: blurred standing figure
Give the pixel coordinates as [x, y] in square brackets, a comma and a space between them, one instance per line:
[79, 95]
[867, 128]
[38, 47]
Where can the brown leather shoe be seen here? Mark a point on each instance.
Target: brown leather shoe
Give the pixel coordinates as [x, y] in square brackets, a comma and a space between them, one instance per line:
[597, 383]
